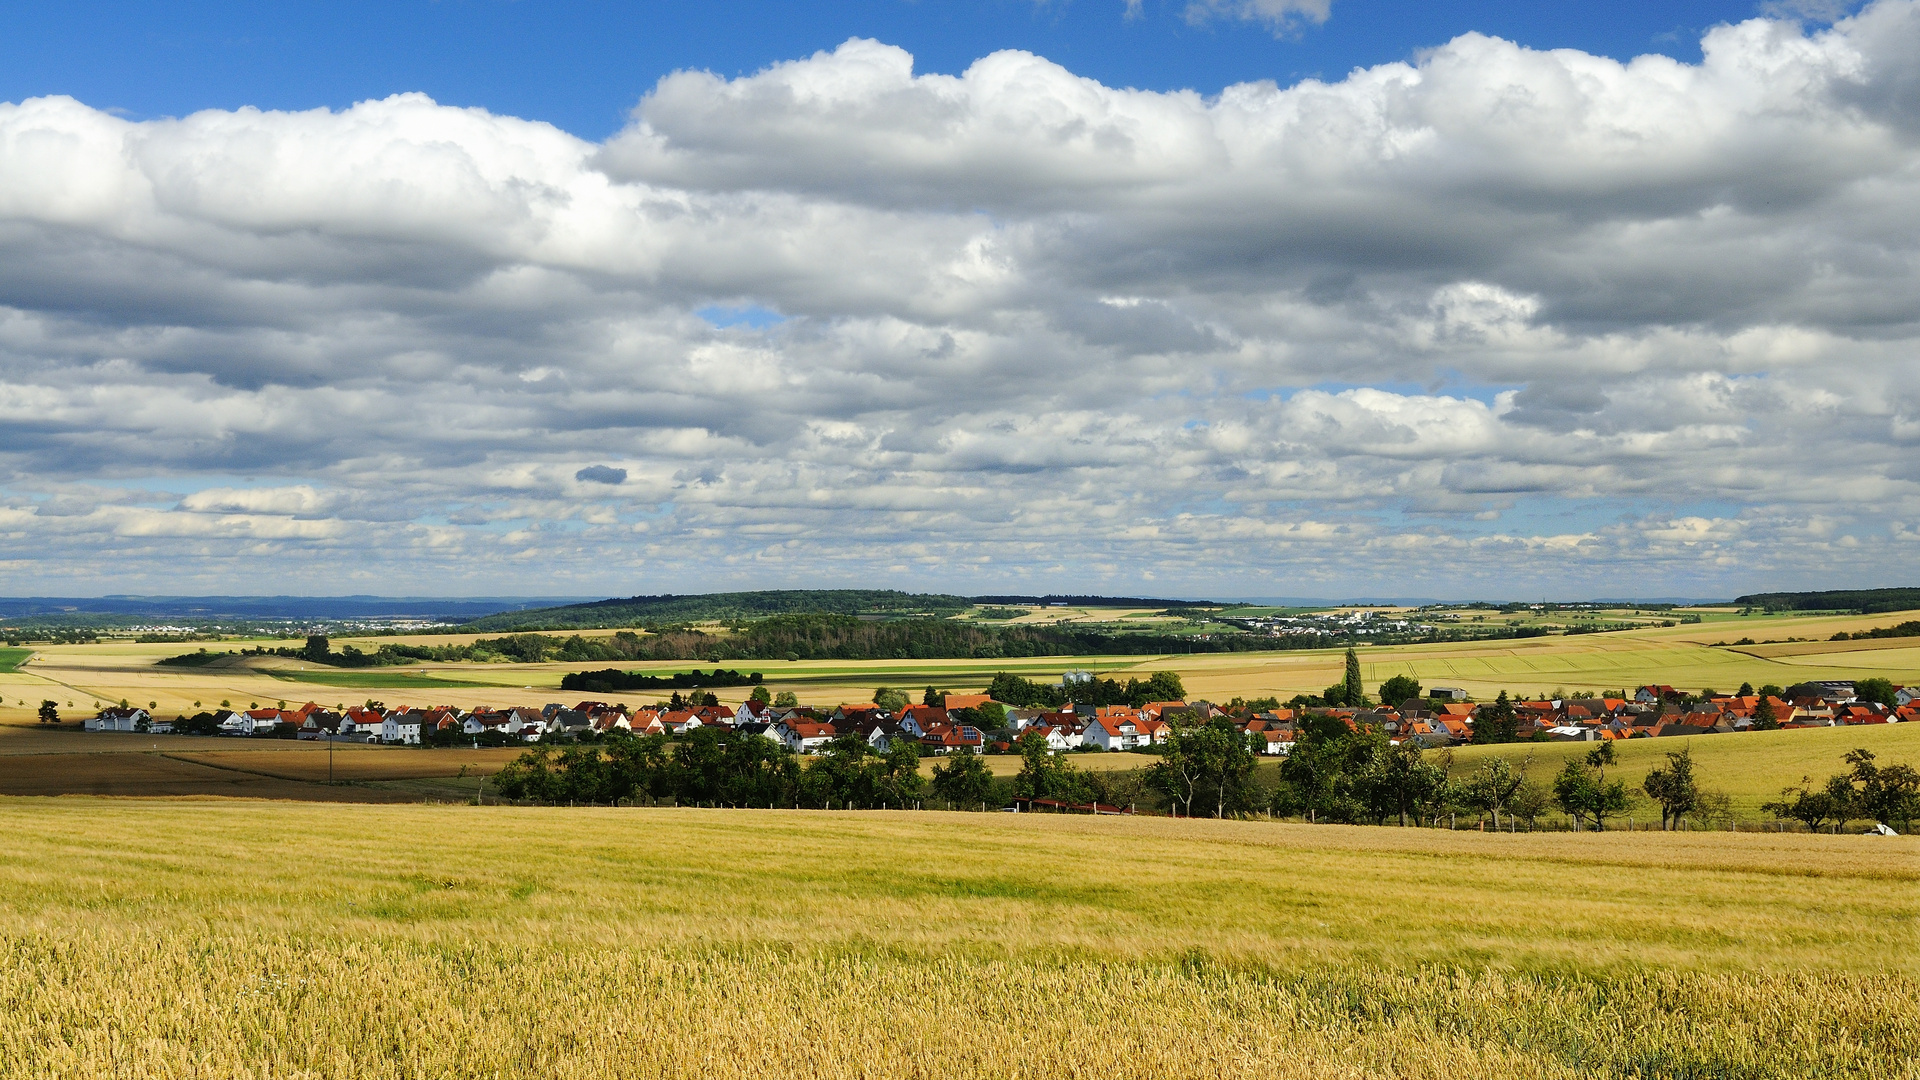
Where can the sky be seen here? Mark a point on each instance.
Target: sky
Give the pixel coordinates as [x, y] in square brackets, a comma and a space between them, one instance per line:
[1204, 298]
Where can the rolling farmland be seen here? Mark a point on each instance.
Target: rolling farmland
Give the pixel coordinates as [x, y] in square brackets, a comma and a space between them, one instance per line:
[1681, 656]
[77, 676]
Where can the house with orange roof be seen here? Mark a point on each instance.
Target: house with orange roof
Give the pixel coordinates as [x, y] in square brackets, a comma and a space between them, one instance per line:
[946, 736]
[1274, 742]
[964, 701]
[1059, 737]
[1113, 730]
[918, 720]
[803, 736]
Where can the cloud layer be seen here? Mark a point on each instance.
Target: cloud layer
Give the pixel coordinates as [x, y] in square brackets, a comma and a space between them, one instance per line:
[1499, 322]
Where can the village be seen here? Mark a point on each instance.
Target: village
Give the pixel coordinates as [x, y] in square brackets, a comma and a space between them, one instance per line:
[977, 723]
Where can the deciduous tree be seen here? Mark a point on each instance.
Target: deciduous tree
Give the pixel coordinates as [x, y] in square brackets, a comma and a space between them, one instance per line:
[1673, 787]
[1493, 785]
[963, 779]
[1399, 690]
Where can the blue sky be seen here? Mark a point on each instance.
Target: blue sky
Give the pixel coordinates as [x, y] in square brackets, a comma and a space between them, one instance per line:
[582, 66]
[475, 297]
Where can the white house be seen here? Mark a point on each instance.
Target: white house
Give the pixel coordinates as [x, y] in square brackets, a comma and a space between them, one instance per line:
[1274, 743]
[251, 722]
[362, 725]
[526, 723]
[1111, 733]
[1060, 736]
[117, 719]
[403, 728]
[803, 736]
[479, 723]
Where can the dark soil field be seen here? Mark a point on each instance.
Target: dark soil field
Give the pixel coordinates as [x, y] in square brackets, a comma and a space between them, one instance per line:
[64, 761]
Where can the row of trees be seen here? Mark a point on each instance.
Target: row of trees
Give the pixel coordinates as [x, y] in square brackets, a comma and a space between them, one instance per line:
[1344, 773]
[1090, 693]
[716, 767]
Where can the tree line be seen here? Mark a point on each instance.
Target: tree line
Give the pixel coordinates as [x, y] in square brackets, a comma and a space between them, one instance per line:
[1336, 773]
[716, 767]
[613, 680]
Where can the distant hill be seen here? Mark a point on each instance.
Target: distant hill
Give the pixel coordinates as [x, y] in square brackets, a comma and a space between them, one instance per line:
[670, 610]
[1070, 600]
[1865, 601]
[107, 612]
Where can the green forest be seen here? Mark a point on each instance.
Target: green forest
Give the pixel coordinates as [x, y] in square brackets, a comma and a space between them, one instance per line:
[1864, 601]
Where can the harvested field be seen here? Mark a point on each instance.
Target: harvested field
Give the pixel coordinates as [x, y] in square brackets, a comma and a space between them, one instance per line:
[43, 761]
[153, 775]
[352, 766]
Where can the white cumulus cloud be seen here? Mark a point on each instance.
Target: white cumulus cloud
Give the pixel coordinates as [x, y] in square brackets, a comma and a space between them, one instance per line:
[1500, 320]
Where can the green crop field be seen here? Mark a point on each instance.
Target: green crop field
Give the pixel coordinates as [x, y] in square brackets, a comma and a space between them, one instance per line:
[12, 657]
[169, 939]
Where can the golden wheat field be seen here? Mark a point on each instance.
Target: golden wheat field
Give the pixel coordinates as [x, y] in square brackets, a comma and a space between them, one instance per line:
[170, 939]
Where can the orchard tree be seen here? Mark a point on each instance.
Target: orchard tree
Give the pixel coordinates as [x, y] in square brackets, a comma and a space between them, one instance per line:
[1493, 785]
[1889, 794]
[1397, 780]
[1814, 806]
[1674, 788]
[963, 779]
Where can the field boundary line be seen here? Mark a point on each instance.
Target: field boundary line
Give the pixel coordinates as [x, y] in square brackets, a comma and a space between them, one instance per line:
[235, 768]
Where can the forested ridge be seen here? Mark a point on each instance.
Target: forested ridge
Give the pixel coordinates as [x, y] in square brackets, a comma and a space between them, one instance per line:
[653, 612]
[825, 637]
[1864, 601]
